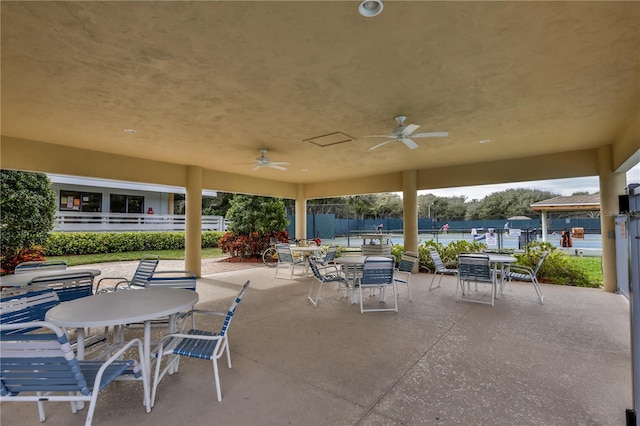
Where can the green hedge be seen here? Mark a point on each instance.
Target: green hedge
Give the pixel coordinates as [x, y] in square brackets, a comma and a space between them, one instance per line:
[72, 243]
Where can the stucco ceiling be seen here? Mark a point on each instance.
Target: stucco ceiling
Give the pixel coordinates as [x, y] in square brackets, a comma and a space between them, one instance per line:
[211, 83]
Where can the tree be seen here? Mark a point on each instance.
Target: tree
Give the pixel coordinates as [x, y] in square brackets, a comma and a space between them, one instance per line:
[249, 214]
[27, 211]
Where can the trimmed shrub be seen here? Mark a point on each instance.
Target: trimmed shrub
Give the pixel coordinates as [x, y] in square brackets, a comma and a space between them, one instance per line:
[74, 243]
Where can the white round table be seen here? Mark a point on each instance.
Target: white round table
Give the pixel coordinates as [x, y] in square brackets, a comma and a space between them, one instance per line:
[123, 307]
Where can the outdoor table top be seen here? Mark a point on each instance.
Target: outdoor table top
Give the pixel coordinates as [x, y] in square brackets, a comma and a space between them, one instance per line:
[21, 280]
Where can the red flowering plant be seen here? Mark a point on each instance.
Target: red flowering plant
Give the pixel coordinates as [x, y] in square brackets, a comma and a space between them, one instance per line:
[9, 261]
[251, 245]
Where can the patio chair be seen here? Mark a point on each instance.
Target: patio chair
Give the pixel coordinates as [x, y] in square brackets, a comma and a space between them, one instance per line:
[325, 274]
[26, 307]
[39, 265]
[197, 343]
[146, 267]
[527, 274]
[439, 268]
[286, 260]
[42, 367]
[329, 256]
[377, 273]
[67, 286]
[402, 274]
[475, 268]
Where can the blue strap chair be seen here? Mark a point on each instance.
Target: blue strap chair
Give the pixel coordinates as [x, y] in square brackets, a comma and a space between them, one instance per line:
[25, 308]
[377, 273]
[195, 343]
[527, 274]
[38, 367]
[324, 274]
[439, 268]
[475, 268]
[286, 260]
[405, 268]
[146, 267]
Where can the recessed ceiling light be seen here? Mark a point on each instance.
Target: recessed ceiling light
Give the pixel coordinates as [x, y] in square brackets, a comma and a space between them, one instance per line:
[304, 170]
[130, 131]
[370, 8]
[485, 141]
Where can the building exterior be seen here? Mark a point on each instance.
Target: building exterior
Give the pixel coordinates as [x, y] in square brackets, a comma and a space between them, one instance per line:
[85, 204]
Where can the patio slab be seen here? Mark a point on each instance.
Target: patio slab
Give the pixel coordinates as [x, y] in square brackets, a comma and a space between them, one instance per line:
[435, 362]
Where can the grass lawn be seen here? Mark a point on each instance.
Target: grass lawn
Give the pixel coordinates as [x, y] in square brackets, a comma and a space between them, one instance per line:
[592, 266]
[86, 259]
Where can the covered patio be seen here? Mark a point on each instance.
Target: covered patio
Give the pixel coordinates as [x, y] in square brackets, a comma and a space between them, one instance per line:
[435, 362]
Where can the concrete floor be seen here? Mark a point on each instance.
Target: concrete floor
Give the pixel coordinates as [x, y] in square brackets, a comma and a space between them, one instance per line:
[435, 362]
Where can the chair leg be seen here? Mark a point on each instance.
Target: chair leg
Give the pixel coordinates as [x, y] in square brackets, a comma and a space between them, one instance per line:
[433, 278]
[310, 297]
[538, 289]
[216, 378]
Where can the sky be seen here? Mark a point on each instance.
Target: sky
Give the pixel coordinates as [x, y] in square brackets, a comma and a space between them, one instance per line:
[558, 186]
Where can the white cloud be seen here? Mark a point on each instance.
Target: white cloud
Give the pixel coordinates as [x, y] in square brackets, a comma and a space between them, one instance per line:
[558, 186]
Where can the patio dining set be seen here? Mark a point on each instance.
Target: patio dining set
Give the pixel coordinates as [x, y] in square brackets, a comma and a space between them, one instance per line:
[45, 310]
[355, 273]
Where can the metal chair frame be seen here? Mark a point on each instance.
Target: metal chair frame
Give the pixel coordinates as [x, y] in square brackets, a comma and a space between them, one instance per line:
[405, 268]
[196, 343]
[475, 268]
[44, 367]
[439, 268]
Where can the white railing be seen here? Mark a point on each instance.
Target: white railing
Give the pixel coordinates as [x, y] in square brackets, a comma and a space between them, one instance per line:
[119, 222]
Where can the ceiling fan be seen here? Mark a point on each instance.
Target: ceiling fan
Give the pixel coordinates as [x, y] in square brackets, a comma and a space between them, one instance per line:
[263, 161]
[405, 134]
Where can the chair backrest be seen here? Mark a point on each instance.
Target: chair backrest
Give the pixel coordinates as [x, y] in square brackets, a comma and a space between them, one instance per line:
[539, 264]
[27, 307]
[146, 267]
[331, 254]
[172, 279]
[314, 268]
[474, 267]
[38, 362]
[284, 253]
[67, 286]
[377, 271]
[408, 261]
[232, 308]
[438, 264]
[39, 265]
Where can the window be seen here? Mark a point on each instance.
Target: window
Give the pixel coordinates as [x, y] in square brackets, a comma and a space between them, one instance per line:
[126, 203]
[80, 201]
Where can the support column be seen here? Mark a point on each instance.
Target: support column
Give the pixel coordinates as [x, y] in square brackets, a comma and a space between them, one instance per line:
[410, 210]
[170, 203]
[193, 226]
[301, 213]
[545, 226]
[611, 185]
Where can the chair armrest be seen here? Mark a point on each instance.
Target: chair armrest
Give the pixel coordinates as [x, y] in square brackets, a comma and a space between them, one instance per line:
[398, 274]
[120, 280]
[521, 269]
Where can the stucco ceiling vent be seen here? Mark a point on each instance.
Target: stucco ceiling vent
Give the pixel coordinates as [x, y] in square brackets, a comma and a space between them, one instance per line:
[330, 139]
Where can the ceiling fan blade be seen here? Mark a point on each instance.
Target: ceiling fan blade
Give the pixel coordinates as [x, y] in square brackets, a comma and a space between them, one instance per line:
[274, 166]
[259, 166]
[380, 136]
[431, 135]
[279, 163]
[381, 144]
[409, 129]
[409, 143]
